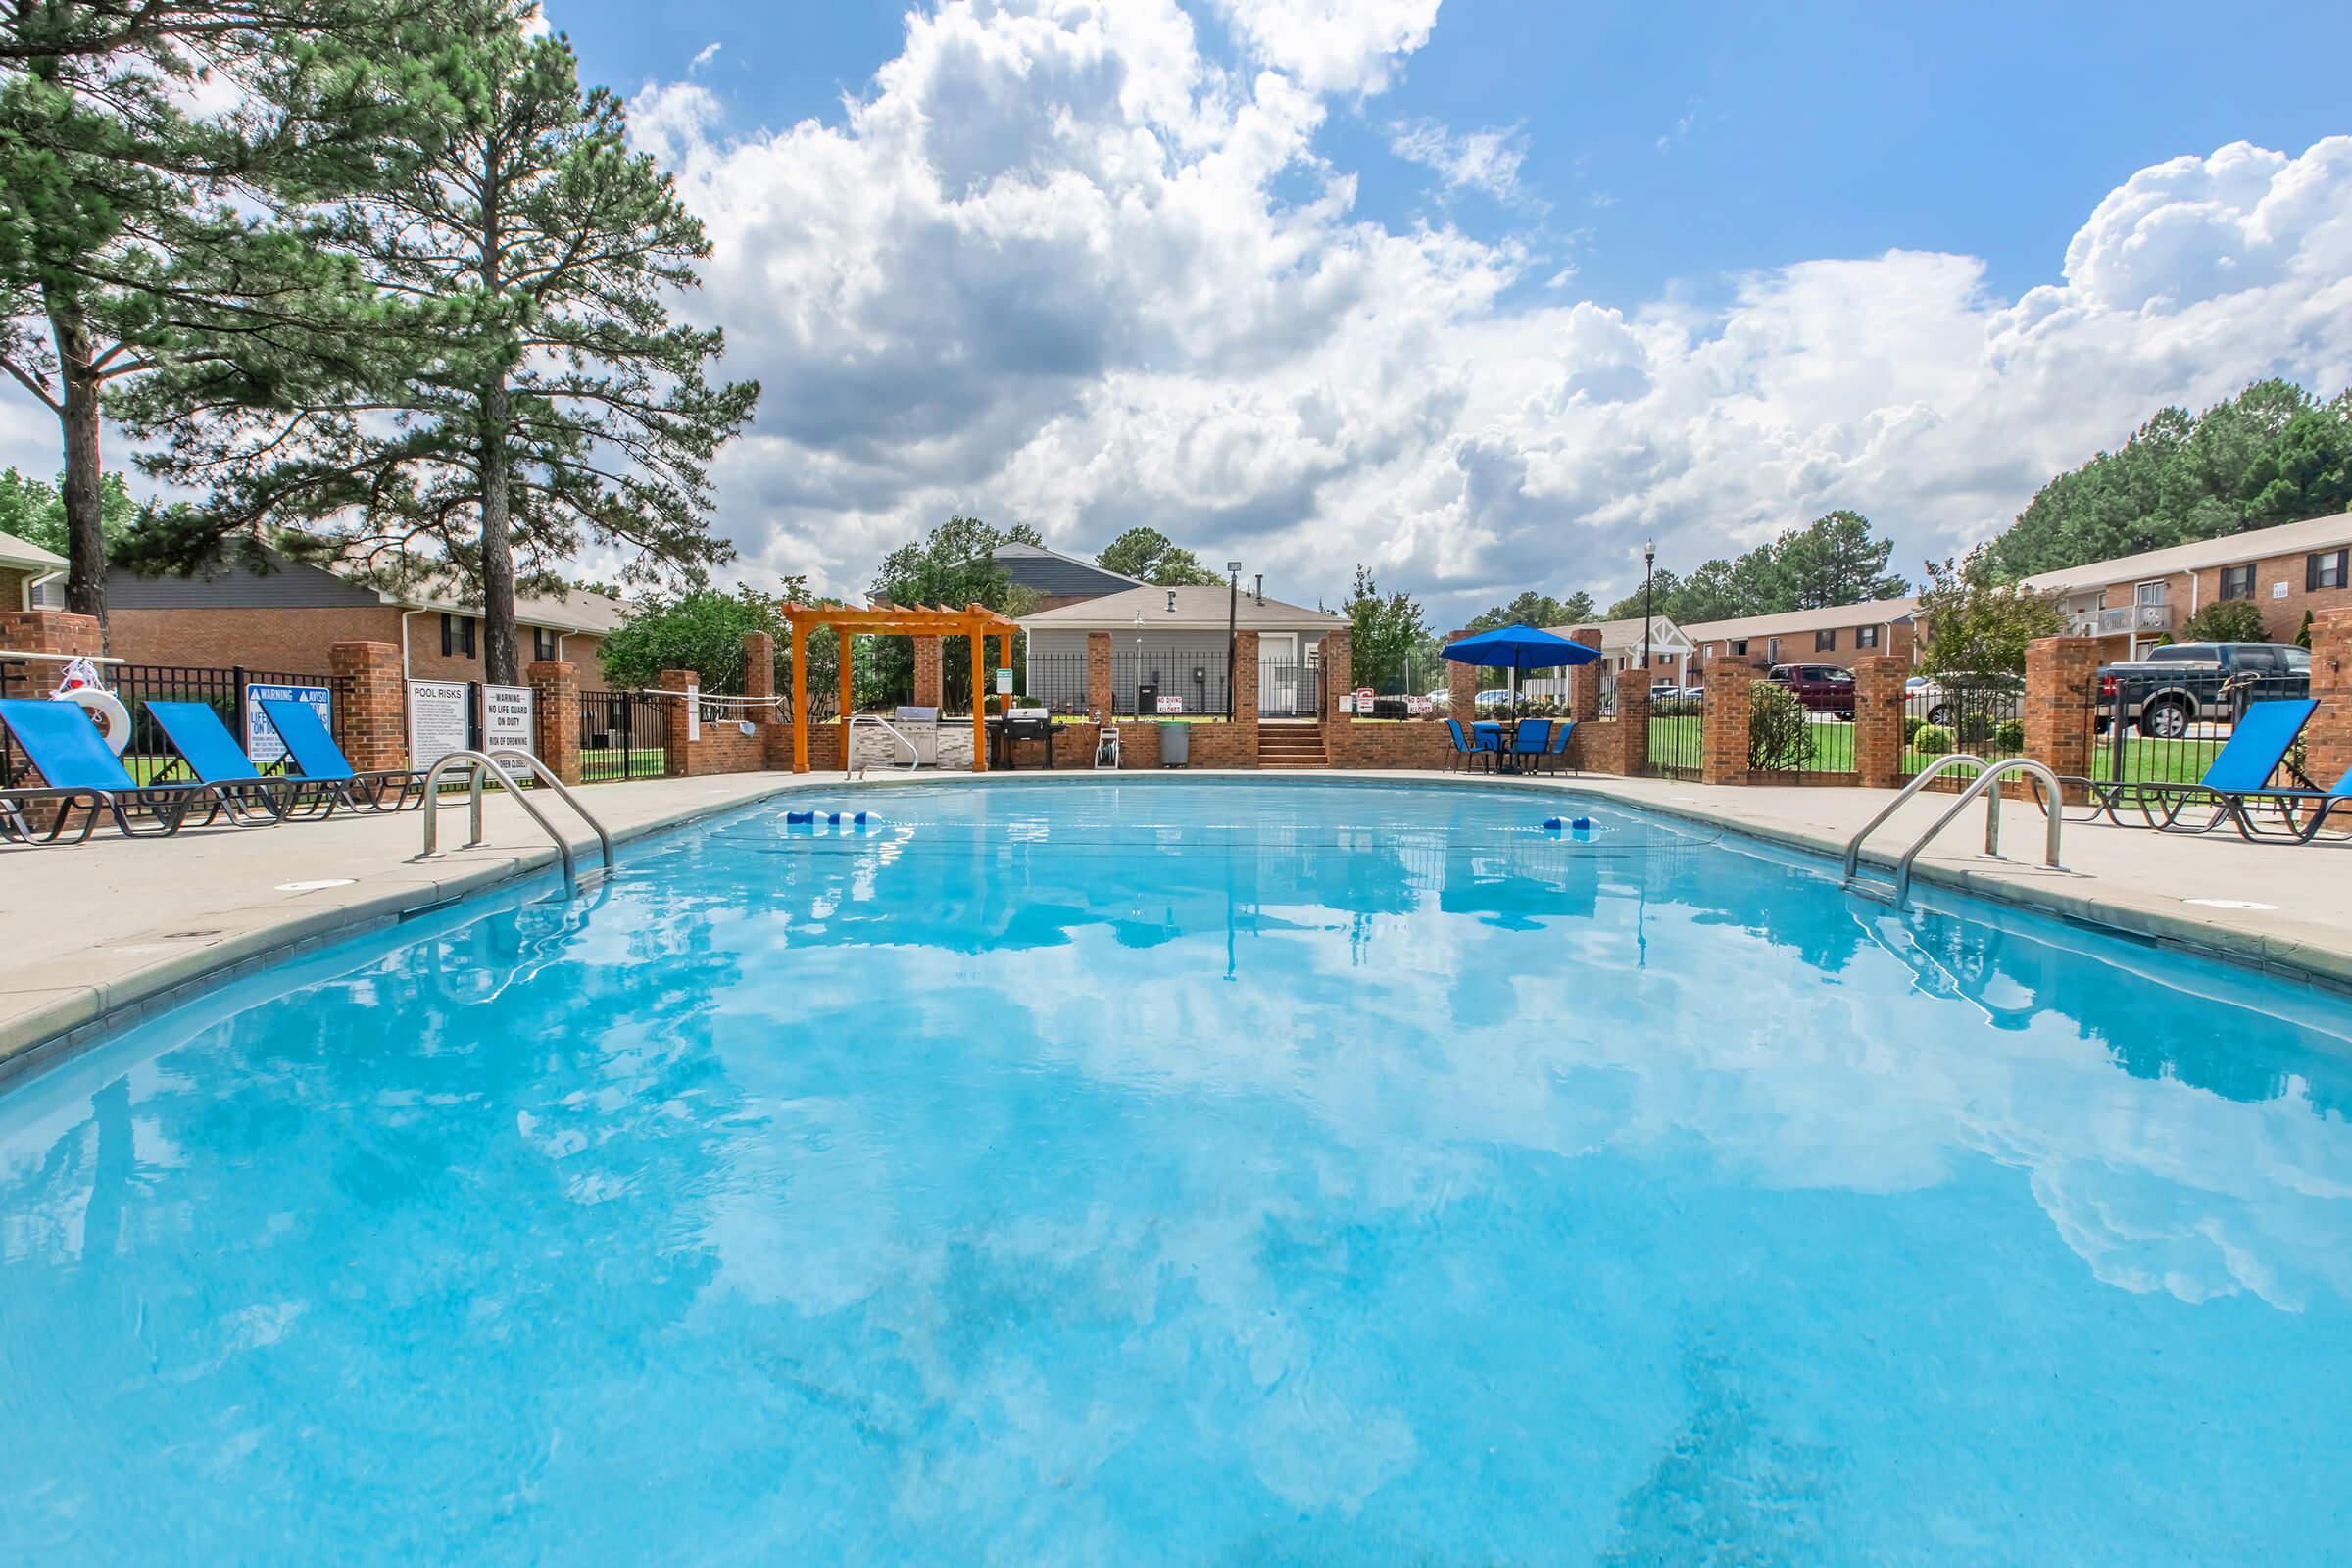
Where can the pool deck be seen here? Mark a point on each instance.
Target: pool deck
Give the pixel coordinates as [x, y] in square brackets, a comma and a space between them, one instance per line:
[99, 932]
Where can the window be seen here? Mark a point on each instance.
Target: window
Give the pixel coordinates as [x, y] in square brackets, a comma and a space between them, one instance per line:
[2184, 653]
[1826, 642]
[2237, 582]
[2326, 570]
[456, 636]
[2149, 593]
[543, 643]
[1866, 636]
[1739, 647]
[1771, 651]
[2298, 660]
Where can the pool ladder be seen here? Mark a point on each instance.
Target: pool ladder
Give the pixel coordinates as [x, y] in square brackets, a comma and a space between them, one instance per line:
[487, 764]
[1898, 892]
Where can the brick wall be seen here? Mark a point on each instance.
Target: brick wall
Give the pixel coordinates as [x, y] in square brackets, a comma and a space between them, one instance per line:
[371, 714]
[12, 586]
[1878, 721]
[300, 640]
[1724, 748]
[1796, 648]
[41, 632]
[2062, 695]
[555, 716]
[930, 680]
[1461, 684]
[2328, 741]
[1098, 673]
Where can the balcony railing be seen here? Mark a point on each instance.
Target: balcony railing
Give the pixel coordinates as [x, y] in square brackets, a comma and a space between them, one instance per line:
[2119, 620]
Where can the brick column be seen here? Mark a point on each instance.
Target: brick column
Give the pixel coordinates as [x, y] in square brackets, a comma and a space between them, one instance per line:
[930, 686]
[555, 716]
[1878, 721]
[1461, 685]
[44, 631]
[371, 713]
[1724, 753]
[678, 753]
[1244, 695]
[1633, 727]
[2062, 703]
[1583, 680]
[760, 671]
[1335, 671]
[1098, 675]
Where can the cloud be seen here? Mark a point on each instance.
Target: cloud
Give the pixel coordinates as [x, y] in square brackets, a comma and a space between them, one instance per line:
[1481, 160]
[1342, 46]
[703, 57]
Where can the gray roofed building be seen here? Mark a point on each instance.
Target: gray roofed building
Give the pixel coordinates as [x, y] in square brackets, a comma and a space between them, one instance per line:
[1056, 578]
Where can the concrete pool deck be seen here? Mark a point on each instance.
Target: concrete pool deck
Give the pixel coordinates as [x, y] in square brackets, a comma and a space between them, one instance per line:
[101, 931]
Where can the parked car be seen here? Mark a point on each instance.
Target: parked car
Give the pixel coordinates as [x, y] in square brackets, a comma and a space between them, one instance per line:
[1822, 688]
[1995, 699]
[1493, 697]
[2181, 684]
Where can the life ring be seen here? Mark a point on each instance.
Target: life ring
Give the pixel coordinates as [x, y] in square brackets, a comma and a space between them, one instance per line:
[114, 719]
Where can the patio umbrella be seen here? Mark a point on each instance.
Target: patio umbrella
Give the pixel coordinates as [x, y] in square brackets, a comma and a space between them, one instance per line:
[1518, 648]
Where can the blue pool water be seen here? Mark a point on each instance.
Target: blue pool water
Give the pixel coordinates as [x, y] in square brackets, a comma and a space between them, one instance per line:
[1194, 1172]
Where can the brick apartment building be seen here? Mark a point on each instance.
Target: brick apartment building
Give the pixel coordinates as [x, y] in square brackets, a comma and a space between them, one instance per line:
[2136, 600]
[31, 577]
[1838, 635]
[289, 618]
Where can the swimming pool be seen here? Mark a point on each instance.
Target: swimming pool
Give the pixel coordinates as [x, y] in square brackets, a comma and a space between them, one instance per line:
[1187, 1171]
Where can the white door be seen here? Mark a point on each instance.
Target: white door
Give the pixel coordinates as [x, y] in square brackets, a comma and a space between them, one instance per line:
[1277, 673]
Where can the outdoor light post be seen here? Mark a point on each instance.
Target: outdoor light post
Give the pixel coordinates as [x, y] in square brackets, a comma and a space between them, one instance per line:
[1649, 562]
[1233, 607]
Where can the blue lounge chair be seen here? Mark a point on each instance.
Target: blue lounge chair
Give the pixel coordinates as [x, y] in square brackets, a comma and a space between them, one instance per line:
[313, 754]
[1469, 748]
[2275, 814]
[2241, 771]
[209, 752]
[79, 771]
[1556, 753]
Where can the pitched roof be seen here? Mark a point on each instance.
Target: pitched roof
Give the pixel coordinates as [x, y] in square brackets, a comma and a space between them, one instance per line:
[1836, 617]
[28, 556]
[1622, 634]
[576, 610]
[2229, 550]
[1055, 573]
[1195, 609]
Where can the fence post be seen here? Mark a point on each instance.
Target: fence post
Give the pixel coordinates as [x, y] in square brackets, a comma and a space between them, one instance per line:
[1723, 756]
[1632, 726]
[930, 673]
[2062, 702]
[1098, 675]
[372, 724]
[677, 753]
[1244, 695]
[1461, 684]
[2328, 742]
[555, 716]
[1878, 721]
[40, 631]
[1583, 680]
[1334, 670]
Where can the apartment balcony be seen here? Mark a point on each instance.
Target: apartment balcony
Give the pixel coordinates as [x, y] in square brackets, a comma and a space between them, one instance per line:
[2125, 620]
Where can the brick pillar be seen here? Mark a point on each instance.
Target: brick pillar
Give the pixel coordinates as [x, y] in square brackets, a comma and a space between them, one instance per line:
[1098, 675]
[371, 711]
[1724, 758]
[555, 716]
[1244, 695]
[1878, 721]
[44, 631]
[1583, 680]
[1335, 671]
[1461, 685]
[2062, 705]
[2327, 739]
[1633, 727]
[678, 752]
[760, 672]
[930, 686]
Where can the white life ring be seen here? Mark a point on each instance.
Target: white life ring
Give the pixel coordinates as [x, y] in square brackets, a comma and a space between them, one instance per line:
[114, 719]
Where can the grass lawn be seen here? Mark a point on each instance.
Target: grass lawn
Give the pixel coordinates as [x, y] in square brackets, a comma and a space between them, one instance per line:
[1676, 742]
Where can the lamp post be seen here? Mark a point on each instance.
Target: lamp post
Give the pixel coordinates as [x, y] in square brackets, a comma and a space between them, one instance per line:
[1139, 665]
[1649, 563]
[1233, 607]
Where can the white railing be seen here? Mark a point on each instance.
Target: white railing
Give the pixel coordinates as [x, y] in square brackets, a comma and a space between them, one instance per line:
[2122, 618]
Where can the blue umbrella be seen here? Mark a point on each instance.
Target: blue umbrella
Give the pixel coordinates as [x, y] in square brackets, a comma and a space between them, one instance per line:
[1518, 648]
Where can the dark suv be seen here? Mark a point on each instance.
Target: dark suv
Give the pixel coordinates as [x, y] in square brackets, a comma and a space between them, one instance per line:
[1822, 688]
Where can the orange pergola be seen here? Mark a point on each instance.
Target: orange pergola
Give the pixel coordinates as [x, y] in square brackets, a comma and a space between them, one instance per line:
[975, 621]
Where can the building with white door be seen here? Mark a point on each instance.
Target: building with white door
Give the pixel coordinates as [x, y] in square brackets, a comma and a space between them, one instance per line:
[2286, 572]
[1168, 650]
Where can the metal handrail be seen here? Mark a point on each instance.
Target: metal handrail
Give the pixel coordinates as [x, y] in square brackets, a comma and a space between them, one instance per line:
[1988, 778]
[849, 745]
[488, 764]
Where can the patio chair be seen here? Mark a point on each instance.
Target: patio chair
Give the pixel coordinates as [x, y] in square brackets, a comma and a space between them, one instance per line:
[1529, 737]
[1468, 748]
[208, 750]
[2241, 771]
[313, 754]
[78, 771]
[1556, 753]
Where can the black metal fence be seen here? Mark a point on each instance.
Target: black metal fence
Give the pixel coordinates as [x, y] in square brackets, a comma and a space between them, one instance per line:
[626, 735]
[1793, 738]
[1289, 688]
[2158, 727]
[148, 756]
[1143, 683]
[1056, 680]
[1985, 717]
[1676, 736]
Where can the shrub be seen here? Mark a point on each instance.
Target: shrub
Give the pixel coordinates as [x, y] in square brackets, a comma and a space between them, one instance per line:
[2010, 735]
[1780, 736]
[1912, 725]
[1975, 729]
[2226, 621]
[1933, 739]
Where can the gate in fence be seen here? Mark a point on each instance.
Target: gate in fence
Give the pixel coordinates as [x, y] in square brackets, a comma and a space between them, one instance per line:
[624, 735]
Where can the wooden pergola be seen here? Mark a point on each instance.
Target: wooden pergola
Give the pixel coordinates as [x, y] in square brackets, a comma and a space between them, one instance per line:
[975, 621]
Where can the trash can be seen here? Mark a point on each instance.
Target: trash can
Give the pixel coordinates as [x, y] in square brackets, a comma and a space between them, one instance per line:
[1175, 744]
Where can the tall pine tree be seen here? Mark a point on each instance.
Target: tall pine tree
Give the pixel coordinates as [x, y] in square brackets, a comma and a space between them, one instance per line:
[563, 406]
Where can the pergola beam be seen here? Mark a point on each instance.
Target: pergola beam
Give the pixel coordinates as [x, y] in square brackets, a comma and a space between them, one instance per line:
[976, 621]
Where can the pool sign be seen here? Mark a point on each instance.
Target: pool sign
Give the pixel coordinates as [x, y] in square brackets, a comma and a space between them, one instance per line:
[505, 719]
[439, 722]
[262, 742]
[1363, 699]
[1004, 683]
[1171, 705]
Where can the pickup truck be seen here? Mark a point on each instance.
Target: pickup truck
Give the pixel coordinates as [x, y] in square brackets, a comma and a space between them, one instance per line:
[2182, 684]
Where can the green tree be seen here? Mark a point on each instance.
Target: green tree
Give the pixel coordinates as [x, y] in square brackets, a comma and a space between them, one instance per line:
[1663, 586]
[35, 512]
[954, 566]
[136, 233]
[1538, 610]
[562, 403]
[1977, 623]
[1835, 560]
[2225, 620]
[702, 629]
[1386, 633]
[1152, 557]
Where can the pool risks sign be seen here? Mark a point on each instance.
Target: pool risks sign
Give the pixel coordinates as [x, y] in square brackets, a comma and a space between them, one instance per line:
[262, 742]
[438, 719]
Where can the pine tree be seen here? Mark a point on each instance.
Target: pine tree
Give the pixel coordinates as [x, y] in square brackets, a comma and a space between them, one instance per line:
[560, 404]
